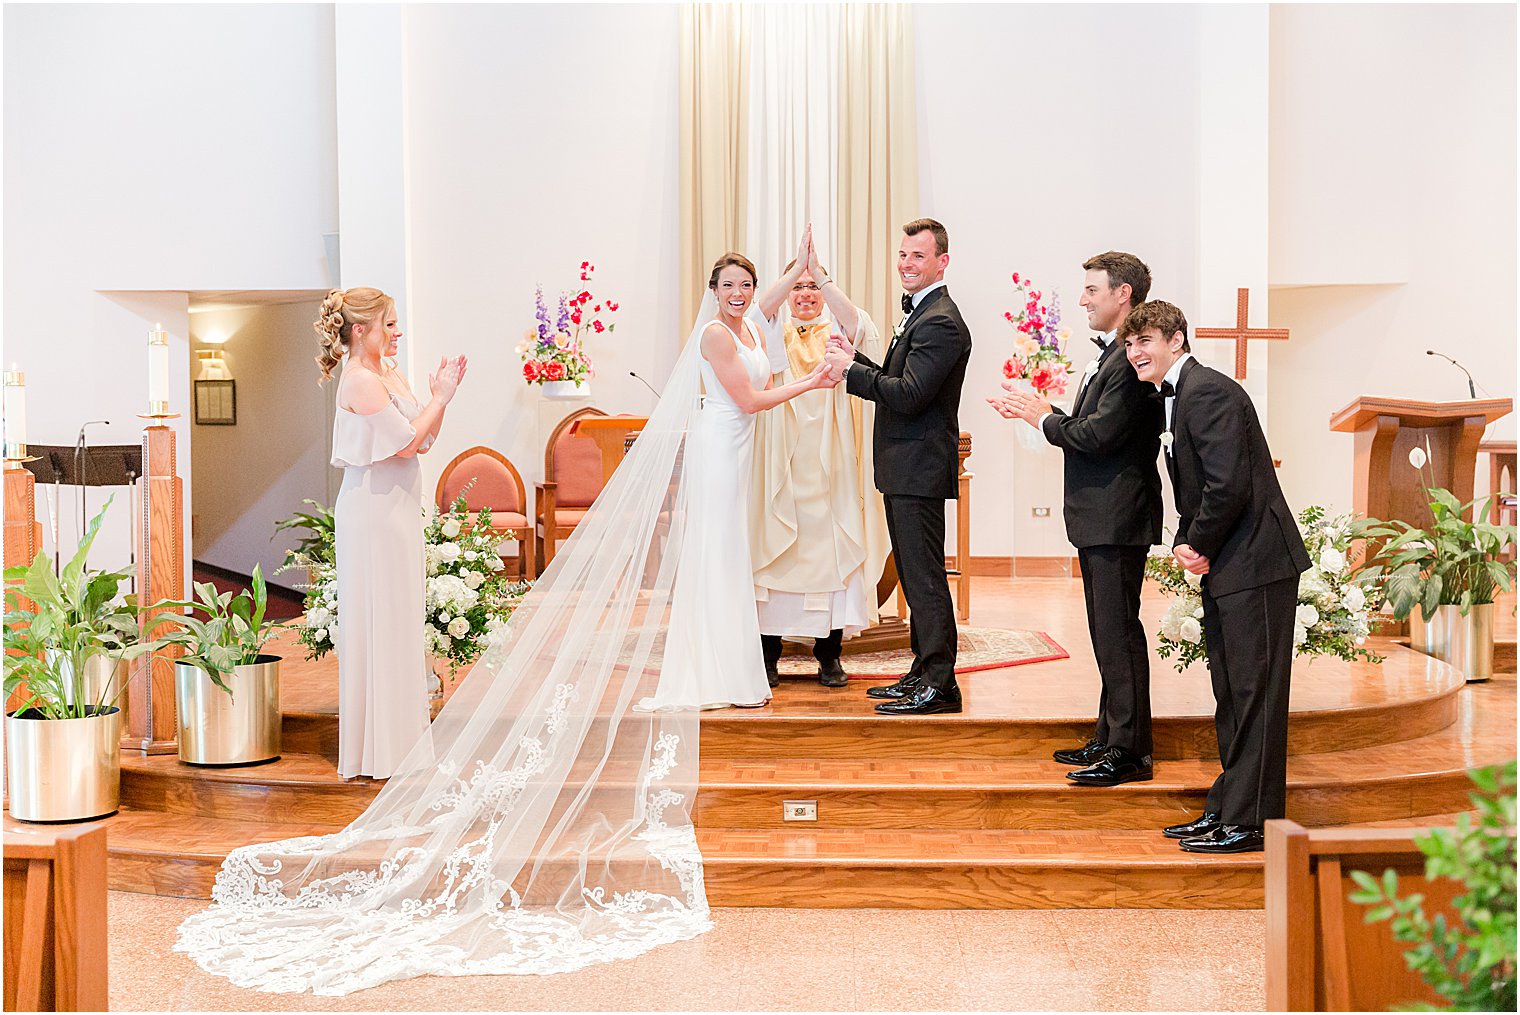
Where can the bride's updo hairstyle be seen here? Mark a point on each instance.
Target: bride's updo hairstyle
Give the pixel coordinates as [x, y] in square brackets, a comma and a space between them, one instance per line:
[737, 260]
[341, 310]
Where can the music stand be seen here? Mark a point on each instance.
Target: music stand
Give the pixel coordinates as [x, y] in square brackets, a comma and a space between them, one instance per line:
[97, 465]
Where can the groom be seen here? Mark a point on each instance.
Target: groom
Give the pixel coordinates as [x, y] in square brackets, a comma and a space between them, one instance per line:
[917, 391]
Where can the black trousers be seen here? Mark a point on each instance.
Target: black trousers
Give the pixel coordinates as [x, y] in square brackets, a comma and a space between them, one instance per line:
[1111, 581]
[825, 650]
[916, 527]
[1250, 641]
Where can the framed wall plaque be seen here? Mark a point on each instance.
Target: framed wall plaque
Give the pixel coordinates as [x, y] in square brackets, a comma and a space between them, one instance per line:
[216, 403]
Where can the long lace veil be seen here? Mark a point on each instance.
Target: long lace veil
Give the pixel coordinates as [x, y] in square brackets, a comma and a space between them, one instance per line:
[545, 824]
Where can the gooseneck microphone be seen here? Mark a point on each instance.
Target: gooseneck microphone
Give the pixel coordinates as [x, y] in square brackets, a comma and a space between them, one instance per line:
[81, 468]
[1472, 391]
[645, 383]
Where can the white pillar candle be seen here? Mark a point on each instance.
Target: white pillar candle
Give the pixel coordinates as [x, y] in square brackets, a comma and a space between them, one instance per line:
[15, 412]
[158, 370]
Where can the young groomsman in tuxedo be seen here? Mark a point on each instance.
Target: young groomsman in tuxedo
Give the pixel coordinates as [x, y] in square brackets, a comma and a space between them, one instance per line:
[1113, 517]
[917, 391]
[1237, 533]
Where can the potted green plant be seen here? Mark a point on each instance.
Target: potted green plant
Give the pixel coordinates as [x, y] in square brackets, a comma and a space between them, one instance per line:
[226, 688]
[1469, 961]
[1452, 572]
[68, 638]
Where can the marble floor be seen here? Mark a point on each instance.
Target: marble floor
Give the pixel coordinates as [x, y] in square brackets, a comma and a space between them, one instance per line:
[792, 960]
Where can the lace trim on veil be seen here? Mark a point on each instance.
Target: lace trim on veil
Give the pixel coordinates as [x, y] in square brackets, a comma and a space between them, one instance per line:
[542, 826]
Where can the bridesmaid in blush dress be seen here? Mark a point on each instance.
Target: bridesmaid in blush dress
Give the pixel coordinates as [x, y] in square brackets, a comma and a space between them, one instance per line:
[379, 430]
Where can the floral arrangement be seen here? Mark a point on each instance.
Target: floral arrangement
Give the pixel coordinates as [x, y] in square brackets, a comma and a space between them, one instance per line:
[1039, 350]
[466, 599]
[1335, 605]
[554, 350]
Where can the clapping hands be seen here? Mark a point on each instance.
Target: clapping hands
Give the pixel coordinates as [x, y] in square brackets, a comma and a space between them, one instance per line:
[1020, 404]
[444, 382]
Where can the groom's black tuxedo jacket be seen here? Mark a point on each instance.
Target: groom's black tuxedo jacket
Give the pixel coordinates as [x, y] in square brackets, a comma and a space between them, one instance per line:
[1232, 507]
[917, 391]
[1111, 437]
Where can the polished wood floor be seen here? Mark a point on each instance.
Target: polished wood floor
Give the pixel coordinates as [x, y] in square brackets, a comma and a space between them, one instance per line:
[963, 811]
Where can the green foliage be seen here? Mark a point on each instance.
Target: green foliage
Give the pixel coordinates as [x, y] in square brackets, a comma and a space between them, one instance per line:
[1469, 962]
[317, 545]
[55, 623]
[1453, 563]
[231, 630]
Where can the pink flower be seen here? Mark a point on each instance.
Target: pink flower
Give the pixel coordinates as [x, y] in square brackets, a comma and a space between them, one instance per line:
[530, 371]
[1013, 368]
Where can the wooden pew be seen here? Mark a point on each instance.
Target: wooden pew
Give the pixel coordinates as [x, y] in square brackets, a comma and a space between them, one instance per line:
[1321, 953]
[55, 918]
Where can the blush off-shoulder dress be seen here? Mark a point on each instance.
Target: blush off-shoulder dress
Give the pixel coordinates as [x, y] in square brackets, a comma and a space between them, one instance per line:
[382, 677]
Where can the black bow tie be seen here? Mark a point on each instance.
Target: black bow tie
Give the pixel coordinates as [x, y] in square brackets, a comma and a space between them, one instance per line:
[1097, 340]
[907, 302]
[1165, 391]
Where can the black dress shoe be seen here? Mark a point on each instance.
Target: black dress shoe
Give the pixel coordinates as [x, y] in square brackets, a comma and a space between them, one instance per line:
[831, 674]
[904, 684]
[1227, 839]
[772, 677]
[1116, 766]
[1087, 754]
[1196, 827]
[923, 701]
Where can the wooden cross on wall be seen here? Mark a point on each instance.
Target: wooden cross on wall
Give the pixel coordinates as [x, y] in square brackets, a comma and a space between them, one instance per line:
[1242, 332]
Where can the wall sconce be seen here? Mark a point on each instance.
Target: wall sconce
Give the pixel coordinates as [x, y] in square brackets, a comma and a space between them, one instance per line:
[213, 365]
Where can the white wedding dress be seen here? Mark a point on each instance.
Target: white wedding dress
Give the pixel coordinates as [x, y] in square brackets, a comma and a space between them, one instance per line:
[712, 653]
[545, 824]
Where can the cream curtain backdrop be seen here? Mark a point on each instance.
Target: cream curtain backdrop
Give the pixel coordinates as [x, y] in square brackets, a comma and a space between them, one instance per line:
[714, 140]
[820, 124]
[793, 133]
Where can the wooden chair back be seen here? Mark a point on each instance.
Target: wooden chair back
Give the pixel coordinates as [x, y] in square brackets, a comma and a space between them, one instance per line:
[55, 918]
[1322, 955]
[573, 464]
[498, 484]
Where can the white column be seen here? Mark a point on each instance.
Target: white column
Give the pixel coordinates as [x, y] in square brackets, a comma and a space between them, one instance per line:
[1232, 183]
[372, 152]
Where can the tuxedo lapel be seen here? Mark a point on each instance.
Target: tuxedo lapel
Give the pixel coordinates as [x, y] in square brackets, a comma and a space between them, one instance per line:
[913, 319]
[1178, 405]
[1090, 380]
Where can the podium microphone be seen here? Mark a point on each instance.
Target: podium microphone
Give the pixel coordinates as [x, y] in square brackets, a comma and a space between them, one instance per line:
[646, 384]
[1472, 391]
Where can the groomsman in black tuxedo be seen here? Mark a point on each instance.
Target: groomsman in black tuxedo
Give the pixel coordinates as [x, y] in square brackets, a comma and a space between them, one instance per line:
[1237, 533]
[1113, 517]
[917, 391]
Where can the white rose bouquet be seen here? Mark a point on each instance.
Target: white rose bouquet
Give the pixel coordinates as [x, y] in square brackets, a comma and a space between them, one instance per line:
[466, 598]
[1335, 608]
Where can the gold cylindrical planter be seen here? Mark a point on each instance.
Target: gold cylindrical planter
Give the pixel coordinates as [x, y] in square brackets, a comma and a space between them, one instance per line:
[241, 728]
[105, 677]
[63, 769]
[1467, 643]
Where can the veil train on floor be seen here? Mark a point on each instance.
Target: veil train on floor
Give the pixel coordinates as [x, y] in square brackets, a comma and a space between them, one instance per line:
[544, 824]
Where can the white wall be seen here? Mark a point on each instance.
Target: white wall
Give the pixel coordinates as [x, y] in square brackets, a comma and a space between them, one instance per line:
[253, 474]
[1393, 219]
[157, 148]
[538, 137]
[1049, 134]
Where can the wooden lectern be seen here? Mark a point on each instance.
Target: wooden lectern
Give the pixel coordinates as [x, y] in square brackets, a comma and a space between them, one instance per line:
[609, 433]
[1386, 486]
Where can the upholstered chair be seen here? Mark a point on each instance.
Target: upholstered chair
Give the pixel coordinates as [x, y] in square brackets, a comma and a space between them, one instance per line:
[498, 486]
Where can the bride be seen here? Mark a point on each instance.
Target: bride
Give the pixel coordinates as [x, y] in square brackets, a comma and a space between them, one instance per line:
[545, 824]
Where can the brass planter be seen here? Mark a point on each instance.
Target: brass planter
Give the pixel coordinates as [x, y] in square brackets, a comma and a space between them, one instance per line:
[217, 728]
[1467, 643]
[105, 678]
[63, 769]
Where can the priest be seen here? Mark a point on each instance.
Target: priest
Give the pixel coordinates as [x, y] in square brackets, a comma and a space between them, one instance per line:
[818, 527]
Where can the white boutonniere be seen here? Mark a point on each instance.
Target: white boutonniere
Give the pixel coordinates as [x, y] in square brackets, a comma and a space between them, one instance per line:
[1092, 367]
[1166, 440]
